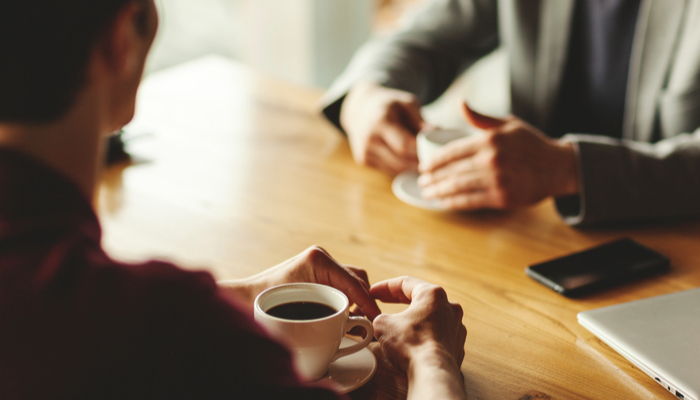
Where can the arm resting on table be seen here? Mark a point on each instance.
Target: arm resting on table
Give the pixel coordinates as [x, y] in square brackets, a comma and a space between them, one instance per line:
[625, 180]
[439, 43]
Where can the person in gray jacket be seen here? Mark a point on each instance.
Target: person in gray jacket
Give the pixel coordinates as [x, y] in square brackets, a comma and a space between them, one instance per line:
[605, 101]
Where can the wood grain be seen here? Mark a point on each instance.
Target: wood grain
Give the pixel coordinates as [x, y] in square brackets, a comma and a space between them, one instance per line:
[235, 172]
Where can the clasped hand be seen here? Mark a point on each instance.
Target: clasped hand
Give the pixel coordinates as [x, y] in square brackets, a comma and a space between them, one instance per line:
[381, 124]
[431, 323]
[314, 265]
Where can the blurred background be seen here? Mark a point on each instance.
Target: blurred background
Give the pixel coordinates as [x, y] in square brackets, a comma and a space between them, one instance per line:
[308, 42]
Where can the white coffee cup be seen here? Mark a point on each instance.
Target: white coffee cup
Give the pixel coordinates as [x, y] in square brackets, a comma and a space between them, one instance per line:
[314, 343]
[428, 142]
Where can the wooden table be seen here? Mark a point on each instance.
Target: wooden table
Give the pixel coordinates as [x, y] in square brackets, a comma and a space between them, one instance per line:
[235, 172]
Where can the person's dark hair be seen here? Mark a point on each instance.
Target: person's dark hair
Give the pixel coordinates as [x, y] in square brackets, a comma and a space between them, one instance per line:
[45, 46]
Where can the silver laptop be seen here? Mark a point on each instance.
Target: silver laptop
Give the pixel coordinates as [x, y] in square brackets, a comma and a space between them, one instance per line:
[660, 335]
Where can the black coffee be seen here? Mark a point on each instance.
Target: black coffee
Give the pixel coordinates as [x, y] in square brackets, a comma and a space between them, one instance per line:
[301, 310]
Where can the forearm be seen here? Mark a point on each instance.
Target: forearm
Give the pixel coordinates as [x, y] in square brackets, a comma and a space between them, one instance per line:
[623, 180]
[426, 56]
[434, 374]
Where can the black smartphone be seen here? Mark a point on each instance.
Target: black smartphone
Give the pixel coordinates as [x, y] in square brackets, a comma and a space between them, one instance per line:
[599, 267]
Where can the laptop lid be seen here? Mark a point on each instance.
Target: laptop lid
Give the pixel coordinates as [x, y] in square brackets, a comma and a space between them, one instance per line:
[660, 335]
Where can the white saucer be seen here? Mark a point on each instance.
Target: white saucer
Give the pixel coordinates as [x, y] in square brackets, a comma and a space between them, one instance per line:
[350, 372]
[405, 187]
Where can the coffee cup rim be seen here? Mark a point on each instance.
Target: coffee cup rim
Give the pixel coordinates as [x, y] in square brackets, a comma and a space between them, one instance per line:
[315, 286]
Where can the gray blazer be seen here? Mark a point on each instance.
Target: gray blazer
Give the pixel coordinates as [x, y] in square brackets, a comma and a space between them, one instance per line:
[653, 173]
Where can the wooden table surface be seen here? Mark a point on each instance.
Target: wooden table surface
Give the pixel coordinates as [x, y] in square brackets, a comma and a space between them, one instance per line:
[234, 172]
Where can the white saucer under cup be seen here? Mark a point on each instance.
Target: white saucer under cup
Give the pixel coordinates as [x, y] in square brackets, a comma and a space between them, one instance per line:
[405, 187]
[349, 373]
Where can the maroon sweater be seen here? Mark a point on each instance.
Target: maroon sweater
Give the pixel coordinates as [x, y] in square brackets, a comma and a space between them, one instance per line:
[75, 324]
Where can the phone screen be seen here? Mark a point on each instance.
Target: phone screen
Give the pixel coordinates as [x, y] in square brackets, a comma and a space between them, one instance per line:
[604, 265]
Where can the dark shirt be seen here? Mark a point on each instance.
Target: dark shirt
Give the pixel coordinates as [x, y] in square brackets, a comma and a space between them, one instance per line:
[592, 96]
[75, 324]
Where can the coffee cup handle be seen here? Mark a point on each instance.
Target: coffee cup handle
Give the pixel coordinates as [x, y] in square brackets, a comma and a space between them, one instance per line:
[353, 322]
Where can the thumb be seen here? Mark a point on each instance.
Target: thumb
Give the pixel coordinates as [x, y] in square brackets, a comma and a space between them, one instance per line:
[480, 121]
[412, 118]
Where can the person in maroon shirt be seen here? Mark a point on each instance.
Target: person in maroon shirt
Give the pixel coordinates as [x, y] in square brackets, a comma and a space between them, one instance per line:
[75, 324]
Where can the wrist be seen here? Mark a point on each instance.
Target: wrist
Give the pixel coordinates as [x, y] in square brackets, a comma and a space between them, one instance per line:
[431, 353]
[434, 366]
[566, 168]
[242, 290]
[355, 98]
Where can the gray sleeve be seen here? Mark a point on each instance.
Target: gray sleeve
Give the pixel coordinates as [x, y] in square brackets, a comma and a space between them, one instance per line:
[426, 56]
[625, 180]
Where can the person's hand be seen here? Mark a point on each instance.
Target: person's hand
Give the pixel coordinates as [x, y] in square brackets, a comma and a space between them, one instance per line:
[381, 125]
[314, 265]
[430, 327]
[510, 165]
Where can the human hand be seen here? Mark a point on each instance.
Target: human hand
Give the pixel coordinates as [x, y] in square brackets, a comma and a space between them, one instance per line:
[382, 124]
[511, 165]
[314, 265]
[430, 327]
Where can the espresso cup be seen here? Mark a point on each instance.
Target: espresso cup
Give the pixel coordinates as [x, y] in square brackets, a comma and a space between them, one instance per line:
[312, 334]
[428, 142]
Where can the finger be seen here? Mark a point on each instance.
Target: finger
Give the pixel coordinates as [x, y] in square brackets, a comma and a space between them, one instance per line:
[378, 164]
[380, 324]
[399, 139]
[452, 152]
[479, 120]
[397, 290]
[412, 117]
[461, 340]
[462, 334]
[356, 290]
[385, 156]
[459, 312]
[426, 126]
[468, 201]
[384, 163]
[458, 184]
[327, 271]
[361, 273]
[465, 165]
[322, 251]
[356, 312]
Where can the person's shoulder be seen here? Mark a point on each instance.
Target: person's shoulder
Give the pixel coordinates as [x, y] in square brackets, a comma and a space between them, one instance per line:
[163, 278]
[212, 341]
[165, 293]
